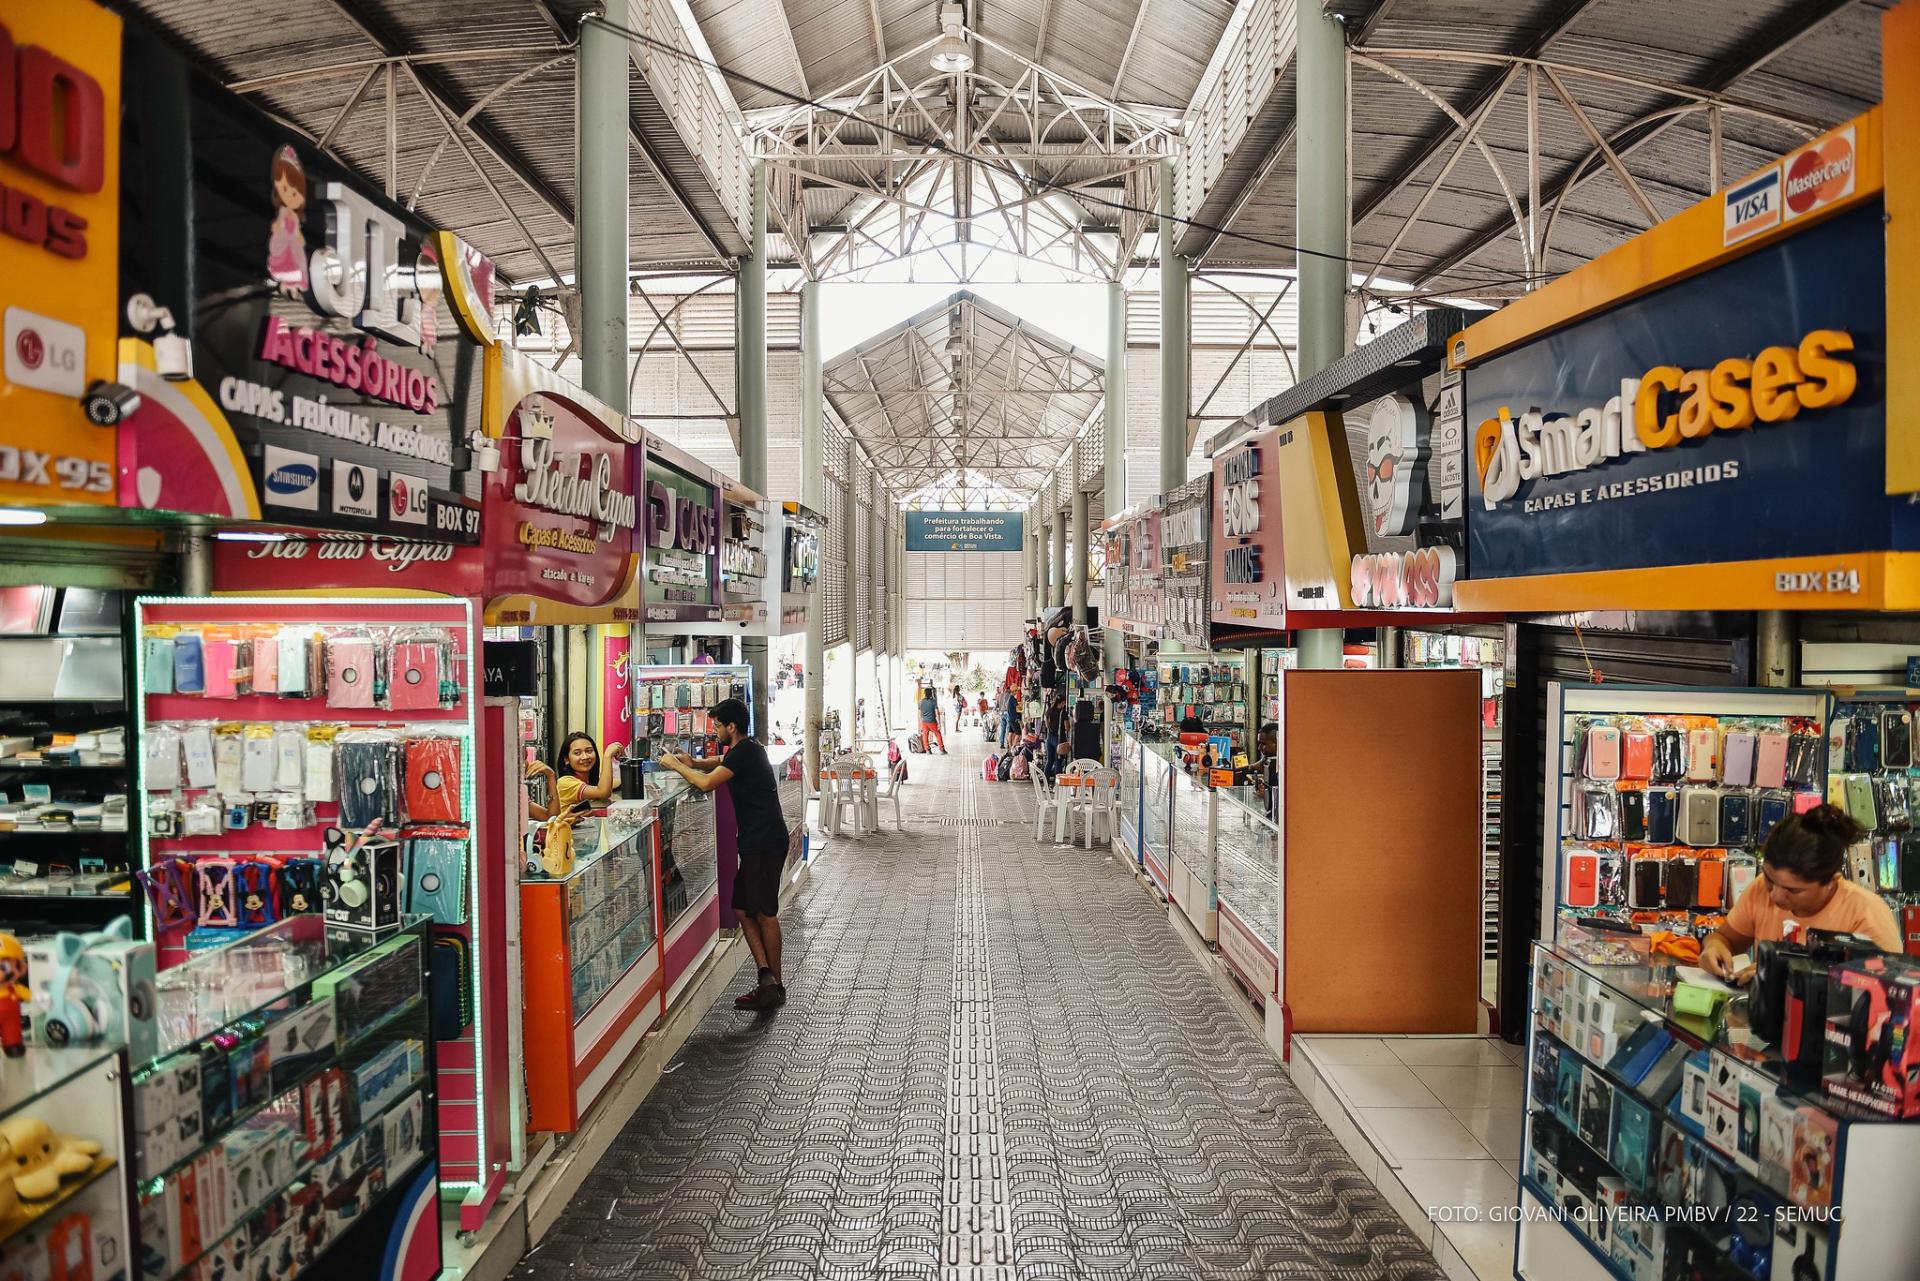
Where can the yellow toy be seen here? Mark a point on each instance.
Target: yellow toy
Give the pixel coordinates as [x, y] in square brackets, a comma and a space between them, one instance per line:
[556, 855]
[13, 994]
[37, 1158]
[9, 1199]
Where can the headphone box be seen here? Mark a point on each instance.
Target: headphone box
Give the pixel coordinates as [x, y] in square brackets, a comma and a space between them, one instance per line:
[92, 989]
[362, 889]
[1872, 1051]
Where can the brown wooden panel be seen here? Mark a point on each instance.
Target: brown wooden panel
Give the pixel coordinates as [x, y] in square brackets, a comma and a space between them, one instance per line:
[1383, 850]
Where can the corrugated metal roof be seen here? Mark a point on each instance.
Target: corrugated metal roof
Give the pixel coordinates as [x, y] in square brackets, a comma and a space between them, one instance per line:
[465, 53]
[1020, 398]
[1811, 61]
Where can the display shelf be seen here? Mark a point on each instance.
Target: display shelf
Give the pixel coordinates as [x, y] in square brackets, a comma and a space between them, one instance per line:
[293, 1103]
[1675, 1145]
[60, 767]
[53, 1096]
[1874, 733]
[1248, 845]
[1657, 795]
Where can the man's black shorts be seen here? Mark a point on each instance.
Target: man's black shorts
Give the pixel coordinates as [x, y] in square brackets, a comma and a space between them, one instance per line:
[756, 887]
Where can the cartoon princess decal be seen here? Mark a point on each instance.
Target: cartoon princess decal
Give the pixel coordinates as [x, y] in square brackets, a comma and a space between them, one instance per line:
[287, 250]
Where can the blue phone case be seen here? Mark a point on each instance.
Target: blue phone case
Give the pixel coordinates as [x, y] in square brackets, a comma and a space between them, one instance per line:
[1663, 804]
[189, 665]
[159, 664]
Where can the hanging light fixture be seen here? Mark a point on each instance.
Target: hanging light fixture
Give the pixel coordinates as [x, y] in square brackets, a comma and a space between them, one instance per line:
[951, 56]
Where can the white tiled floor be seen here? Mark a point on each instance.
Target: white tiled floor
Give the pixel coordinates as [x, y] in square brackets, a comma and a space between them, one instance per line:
[1434, 1121]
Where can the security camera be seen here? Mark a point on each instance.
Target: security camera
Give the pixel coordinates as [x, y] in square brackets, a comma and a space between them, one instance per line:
[486, 456]
[173, 357]
[108, 403]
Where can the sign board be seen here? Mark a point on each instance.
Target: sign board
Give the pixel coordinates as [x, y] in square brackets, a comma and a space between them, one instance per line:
[1185, 529]
[680, 537]
[330, 387]
[1736, 415]
[561, 511]
[1246, 558]
[329, 563]
[964, 531]
[60, 256]
[1133, 568]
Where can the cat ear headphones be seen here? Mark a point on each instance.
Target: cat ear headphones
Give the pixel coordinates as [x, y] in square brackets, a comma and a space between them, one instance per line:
[346, 884]
[77, 1005]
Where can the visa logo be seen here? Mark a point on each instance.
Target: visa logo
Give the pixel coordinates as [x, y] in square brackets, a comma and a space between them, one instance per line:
[1751, 208]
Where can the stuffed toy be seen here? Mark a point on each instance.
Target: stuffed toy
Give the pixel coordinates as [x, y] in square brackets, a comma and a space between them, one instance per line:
[556, 855]
[37, 1157]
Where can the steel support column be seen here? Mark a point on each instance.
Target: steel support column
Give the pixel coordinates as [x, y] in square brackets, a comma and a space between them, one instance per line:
[813, 495]
[1777, 648]
[1322, 200]
[1058, 587]
[600, 230]
[1077, 565]
[750, 398]
[1114, 432]
[1321, 649]
[1030, 561]
[1176, 356]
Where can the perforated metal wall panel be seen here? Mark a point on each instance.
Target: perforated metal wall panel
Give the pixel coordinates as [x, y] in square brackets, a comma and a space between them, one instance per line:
[831, 593]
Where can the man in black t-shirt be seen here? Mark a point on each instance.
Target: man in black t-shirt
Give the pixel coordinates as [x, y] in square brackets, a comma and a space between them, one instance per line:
[748, 777]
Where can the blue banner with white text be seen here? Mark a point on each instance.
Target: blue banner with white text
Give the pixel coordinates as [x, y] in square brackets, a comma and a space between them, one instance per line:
[963, 531]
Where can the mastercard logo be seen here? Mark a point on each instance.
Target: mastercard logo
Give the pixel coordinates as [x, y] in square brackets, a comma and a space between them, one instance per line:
[1820, 174]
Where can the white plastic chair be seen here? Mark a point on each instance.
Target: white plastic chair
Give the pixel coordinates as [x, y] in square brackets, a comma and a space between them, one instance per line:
[888, 789]
[1096, 798]
[1046, 800]
[846, 784]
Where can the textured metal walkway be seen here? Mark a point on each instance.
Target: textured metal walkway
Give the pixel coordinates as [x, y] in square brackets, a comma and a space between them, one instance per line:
[997, 1061]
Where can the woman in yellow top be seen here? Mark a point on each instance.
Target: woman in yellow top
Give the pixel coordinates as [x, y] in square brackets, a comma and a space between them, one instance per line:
[1801, 881]
[590, 778]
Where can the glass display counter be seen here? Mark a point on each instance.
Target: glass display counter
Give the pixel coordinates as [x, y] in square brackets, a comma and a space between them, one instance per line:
[1190, 860]
[593, 972]
[75, 1203]
[688, 841]
[1159, 773]
[1665, 1144]
[287, 1117]
[1126, 760]
[1248, 872]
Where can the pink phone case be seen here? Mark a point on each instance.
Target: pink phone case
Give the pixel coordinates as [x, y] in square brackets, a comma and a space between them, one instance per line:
[1770, 761]
[350, 673]
[1701, 745]
[1603, 753]
[221, 657]
[1736, 759]
[416, 676]
[266, 665]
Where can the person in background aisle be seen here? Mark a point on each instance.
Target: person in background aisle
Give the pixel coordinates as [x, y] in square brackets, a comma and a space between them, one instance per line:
[748, 778]
[1055, 722]
[983, 707]
[589, 777]
[930, 721]
[1801, 880]
[1009, 716]
[1268, 787]
[959, 709]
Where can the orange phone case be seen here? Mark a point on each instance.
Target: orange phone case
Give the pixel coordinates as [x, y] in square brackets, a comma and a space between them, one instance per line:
[1636, 754]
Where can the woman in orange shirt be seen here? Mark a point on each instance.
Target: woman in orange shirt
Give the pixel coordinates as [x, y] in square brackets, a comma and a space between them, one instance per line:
[1801, 881]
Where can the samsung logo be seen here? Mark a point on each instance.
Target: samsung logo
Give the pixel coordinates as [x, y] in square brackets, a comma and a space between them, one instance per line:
[292, 479]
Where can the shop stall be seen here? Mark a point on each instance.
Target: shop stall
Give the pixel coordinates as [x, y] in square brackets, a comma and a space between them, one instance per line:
[1710, 418]
[681, 539]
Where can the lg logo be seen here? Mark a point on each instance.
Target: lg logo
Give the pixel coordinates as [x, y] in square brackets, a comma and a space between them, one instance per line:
[407, 499]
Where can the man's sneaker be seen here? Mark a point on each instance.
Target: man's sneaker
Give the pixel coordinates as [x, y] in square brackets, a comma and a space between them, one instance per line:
[748, 1000]
[773, 996]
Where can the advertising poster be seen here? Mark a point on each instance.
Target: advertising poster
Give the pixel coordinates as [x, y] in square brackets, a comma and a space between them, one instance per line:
[1248, 563]
[322, 381]
[60, 256]
[964, 531]
[682, 540]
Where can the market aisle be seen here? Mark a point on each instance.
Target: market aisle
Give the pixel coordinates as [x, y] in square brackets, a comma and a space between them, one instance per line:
[994, 1053]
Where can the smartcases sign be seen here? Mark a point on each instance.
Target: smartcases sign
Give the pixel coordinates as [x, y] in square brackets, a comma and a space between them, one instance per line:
[1246, 558]
[682, 542]
[1736, 415]
[331, 388]
[1184, 532]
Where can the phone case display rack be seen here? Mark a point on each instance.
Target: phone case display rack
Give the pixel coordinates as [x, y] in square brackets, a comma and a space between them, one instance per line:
[316, 756]
[66, 1191]
[1211, 687]
[1659, 1145]
[1665, 797]
[671, 706]
[1872, 775]
[65, 840]
[594, 968]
